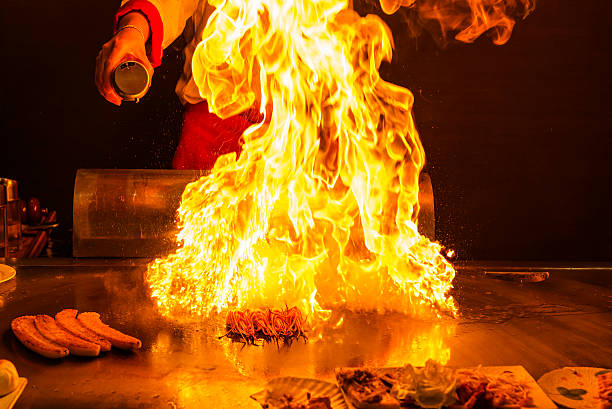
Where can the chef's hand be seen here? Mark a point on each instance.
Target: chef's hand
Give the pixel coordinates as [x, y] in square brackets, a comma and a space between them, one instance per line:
[127, 44]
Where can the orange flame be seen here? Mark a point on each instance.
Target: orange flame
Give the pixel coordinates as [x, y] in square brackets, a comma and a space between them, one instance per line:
[320, 210]
[468, 19]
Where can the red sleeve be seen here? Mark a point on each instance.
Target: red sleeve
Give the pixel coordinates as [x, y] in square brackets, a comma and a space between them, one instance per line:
[155, 24]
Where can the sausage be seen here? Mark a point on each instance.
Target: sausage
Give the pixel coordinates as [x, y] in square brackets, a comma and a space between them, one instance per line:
[26, 332]
[91, 320]
[47, 326]
[67, 320]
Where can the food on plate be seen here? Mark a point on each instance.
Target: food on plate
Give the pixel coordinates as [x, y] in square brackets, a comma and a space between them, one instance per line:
[47, 326]
[365, 390]
[604, 387]
[67, 320]
[478, 390]
[91, 321]
[432, 386]
[288, 402]
[8, 377]
[321, 402]
[289, 392]
[26, 332]
[272, 325]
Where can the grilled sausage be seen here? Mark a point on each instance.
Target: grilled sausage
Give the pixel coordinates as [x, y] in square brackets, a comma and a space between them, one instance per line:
[91, 320]
[67, 320]
[47, 326]
[26, 332]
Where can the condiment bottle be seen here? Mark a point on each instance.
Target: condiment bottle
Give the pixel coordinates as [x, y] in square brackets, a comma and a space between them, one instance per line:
[3, 226]
[13, 215]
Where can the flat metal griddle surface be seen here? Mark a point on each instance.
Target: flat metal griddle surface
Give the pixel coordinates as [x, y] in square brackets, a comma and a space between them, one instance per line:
[563, 321]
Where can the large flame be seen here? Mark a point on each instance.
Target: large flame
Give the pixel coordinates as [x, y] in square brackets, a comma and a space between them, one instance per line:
[320, 209]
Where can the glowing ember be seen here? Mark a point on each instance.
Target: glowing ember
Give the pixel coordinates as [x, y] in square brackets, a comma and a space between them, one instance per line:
[320, 209]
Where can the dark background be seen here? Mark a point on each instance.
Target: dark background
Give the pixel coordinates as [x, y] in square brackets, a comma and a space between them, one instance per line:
[517, 137]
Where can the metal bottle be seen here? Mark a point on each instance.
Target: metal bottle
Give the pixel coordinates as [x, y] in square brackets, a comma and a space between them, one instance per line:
[3, 224]
[13, 215]
[131, 80]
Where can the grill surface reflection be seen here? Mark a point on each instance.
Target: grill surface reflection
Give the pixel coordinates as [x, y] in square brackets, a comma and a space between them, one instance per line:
[562, 321]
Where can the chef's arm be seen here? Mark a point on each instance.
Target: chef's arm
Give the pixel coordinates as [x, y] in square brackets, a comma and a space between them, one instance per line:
[166, 18]
[131, 35]
[143, 28]
[137, 21]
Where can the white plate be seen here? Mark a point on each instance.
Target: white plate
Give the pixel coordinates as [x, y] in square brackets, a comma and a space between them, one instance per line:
[6, 273]
[574, 387]
[298, 387]
[8, 401]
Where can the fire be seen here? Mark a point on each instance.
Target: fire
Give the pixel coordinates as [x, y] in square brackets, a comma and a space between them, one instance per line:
[471, 18]
[468, 19]
[320, 209]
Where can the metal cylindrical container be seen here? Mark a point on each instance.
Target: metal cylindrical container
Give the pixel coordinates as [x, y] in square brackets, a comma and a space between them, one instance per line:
[3, 224]
[131, 80]
[13, 215]
[127, 212]
[132, 212]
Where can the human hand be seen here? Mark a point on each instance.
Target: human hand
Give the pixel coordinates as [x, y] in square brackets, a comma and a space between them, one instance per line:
[127, 44]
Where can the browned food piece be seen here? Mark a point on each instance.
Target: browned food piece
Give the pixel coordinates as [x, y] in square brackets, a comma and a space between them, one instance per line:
[475, 390]
[288, 402]
[365, 390]
[91, 320]
[26, 332]
[471, 389]
[604, 386]
[320, 402]
[67, 320]
[47, 326]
